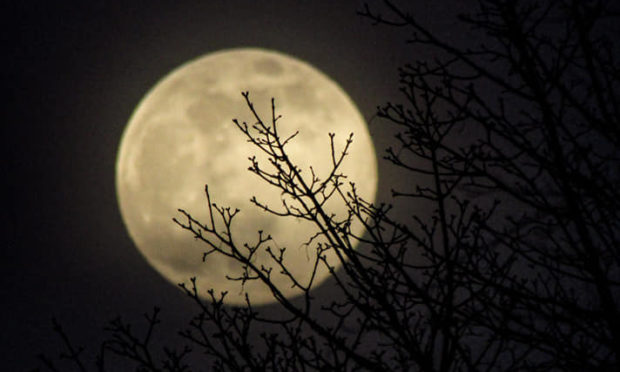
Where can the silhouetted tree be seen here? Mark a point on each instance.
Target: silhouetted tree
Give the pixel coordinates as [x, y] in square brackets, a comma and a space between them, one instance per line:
[513, 144]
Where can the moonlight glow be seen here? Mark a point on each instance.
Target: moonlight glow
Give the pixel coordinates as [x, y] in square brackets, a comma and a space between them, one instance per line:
[181, 137]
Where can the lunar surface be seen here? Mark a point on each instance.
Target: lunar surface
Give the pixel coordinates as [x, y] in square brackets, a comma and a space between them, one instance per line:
[181, 136]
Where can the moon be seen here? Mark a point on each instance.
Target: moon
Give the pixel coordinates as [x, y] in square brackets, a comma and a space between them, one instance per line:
[181, 136]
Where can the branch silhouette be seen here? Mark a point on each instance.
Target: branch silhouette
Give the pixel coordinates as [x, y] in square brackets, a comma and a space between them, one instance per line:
[512, 146]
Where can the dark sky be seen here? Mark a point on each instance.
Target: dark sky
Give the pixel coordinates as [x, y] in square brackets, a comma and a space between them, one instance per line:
[72, 74]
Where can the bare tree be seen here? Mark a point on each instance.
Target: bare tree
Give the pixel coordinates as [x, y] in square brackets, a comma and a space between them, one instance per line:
[514, 143]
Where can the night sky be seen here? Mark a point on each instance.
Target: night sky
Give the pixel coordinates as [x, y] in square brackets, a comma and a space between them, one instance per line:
[72, 75]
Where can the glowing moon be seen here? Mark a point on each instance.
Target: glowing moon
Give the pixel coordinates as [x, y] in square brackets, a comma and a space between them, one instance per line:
[181, 137]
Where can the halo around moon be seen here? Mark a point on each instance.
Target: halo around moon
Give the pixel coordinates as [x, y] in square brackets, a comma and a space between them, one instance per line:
[181, 137]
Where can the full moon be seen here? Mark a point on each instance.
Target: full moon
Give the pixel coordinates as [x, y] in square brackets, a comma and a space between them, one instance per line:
[181, 137]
